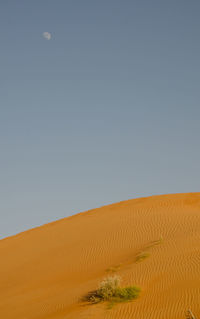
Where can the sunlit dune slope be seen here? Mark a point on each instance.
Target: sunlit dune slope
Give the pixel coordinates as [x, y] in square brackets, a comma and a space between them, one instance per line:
[45, 272]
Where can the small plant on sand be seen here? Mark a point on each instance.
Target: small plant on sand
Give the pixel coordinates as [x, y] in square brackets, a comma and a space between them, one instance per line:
[141, 256]
[145, 253]
[110, 290]
[108, 287]
[114, 268]
[155, 243]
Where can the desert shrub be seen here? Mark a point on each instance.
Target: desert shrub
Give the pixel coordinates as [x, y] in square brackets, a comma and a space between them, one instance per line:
[127, 293]
[94, 298]
[110, 290]
[108, 287]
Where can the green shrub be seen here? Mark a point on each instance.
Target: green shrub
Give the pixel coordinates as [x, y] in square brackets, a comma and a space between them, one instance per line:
[127, 293]
[110, 290]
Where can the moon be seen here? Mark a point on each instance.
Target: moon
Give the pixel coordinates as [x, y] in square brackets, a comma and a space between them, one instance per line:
[47, 35]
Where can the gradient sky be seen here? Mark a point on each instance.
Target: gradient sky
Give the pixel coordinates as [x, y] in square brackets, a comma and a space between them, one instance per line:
[106, 110]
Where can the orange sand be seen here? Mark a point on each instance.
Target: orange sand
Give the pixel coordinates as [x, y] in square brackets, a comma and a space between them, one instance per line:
[45, 271]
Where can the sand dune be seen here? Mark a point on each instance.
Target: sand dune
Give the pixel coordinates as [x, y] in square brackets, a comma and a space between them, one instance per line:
[44, 272]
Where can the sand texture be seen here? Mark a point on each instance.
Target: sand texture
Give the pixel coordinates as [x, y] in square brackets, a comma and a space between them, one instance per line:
[44, 272]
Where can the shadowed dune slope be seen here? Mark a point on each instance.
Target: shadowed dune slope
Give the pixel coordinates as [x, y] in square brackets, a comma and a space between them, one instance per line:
[44, 272]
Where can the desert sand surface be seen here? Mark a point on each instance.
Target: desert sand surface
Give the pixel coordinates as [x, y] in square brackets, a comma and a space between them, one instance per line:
[45, 271]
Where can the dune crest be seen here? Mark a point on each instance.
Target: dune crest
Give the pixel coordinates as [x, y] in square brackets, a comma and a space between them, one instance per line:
[152, 242]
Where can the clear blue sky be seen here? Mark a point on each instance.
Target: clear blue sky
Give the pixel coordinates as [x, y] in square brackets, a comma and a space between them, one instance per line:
[106, 110]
